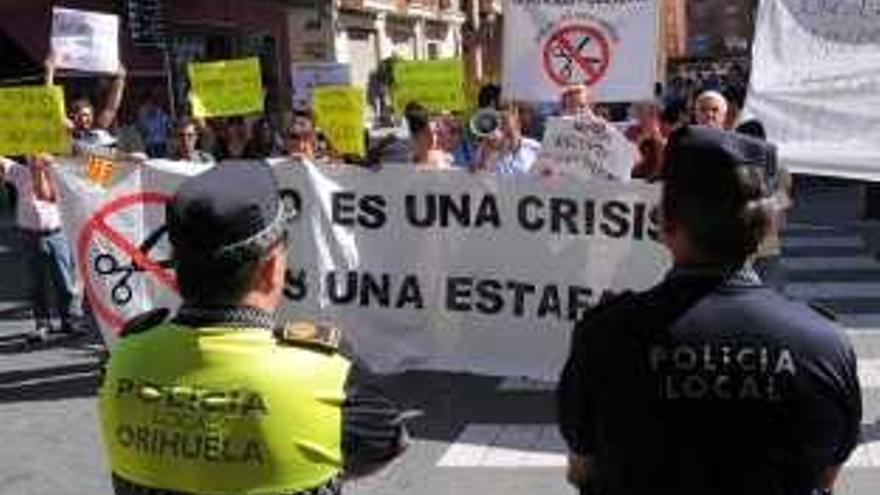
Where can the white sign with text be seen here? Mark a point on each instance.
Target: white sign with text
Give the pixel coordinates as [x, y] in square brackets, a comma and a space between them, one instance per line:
[446, 271]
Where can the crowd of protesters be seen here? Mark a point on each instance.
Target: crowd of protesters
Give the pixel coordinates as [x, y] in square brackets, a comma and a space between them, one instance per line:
[506, 141]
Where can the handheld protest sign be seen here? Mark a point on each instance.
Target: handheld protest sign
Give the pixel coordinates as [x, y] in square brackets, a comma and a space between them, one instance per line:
[585, 148]
[87, 41]
[304, 77]
[339, 112]
[226, 88]
[438, 85]
[38, 123]
[610, 47]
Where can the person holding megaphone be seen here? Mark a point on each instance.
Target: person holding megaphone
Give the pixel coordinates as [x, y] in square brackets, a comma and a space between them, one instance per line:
[502, 147]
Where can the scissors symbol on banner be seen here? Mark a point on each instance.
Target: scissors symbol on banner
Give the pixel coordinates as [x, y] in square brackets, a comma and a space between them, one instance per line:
[107, 265]
[562, 50]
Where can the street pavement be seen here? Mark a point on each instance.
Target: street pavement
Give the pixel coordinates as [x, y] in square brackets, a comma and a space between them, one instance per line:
[478, 434]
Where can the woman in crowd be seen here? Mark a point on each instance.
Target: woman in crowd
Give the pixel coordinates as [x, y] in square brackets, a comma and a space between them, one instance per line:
[425, 150]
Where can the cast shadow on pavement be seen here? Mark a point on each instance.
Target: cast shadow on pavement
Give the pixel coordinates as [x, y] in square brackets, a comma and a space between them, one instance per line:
[58, 382]
[449, 402]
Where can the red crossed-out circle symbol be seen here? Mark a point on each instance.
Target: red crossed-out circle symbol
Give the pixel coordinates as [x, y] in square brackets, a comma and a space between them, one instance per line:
[96, 225]
[577, 53]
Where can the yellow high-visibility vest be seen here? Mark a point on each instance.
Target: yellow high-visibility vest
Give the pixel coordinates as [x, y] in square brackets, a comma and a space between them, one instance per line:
[222, 411]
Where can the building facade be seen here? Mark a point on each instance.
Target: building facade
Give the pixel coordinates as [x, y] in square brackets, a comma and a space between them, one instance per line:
[363, 33]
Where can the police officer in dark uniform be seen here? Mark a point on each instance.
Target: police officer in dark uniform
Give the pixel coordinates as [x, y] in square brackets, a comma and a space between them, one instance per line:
[710, 382]
[219, 400]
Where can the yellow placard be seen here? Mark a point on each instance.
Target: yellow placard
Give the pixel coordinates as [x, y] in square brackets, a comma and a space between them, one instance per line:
[100, 170]
[34, 121]
[339, 113]
[226, 88]
[437, 85]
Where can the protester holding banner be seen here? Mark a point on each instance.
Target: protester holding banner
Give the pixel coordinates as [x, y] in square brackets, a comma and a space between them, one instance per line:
[456, 141]
[234, 142]
[88, 129]
[425, 150]
[505, 150]
[575, 99]
[186, 134]
[50, 262]
[269, 409]
[264, 140]
[710, 382]
[301, 139]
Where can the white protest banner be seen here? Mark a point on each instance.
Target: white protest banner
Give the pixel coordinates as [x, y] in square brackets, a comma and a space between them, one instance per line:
[463, 272]
[609, 46]
[306, 76]
[117, 233]
[445, 271]
[815, 85]
[87, 41]
[585, 148]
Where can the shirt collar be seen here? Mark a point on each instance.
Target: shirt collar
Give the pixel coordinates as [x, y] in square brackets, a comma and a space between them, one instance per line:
[742, 275]
[224, 316]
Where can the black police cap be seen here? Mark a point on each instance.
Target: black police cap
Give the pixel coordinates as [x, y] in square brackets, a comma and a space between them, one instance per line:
[700, 150]
[225, 207]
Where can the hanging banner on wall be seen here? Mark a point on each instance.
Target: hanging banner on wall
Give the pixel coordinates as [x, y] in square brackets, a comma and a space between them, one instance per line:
[815, 85]
[609, 46]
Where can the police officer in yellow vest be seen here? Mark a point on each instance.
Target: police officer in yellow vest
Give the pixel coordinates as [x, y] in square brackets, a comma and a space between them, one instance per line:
[219, 400]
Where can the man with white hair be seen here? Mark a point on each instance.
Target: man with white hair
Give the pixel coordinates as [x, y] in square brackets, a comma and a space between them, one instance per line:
[711, 109]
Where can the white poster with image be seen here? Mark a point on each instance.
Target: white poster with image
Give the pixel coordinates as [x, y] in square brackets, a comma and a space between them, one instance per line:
[586, 148]
[609, 46]
[86, 41]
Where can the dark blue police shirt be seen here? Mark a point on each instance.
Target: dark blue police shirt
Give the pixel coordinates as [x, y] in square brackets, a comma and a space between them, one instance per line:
[709, 383]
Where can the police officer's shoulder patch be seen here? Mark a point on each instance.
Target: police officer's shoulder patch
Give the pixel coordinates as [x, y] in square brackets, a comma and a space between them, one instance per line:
[308, 334]
[823, 310]
[145, 321]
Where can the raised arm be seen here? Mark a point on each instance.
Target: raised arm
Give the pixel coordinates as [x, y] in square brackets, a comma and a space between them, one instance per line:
[6, 166]
[50, 65]
[114, 100]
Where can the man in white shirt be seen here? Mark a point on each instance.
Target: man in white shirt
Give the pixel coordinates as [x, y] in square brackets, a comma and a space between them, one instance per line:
[50, 260]
[88, 129]
[506, 151]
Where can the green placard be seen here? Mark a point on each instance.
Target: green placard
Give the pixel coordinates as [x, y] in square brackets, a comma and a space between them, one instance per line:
[339, 112]
[438, 85]
[35, 123]
[226, 88]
